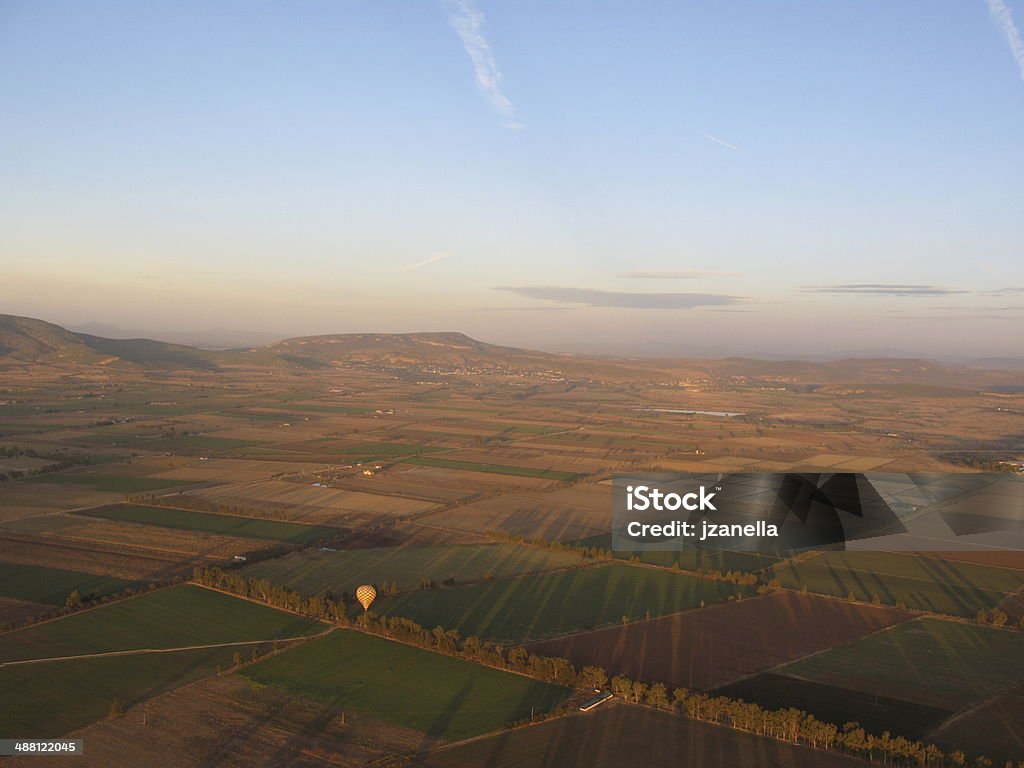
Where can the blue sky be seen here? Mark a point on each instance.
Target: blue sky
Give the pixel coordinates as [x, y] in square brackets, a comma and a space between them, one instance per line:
[712, 177]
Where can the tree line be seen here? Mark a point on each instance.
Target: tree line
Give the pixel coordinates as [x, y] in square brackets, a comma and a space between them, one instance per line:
[791, 725]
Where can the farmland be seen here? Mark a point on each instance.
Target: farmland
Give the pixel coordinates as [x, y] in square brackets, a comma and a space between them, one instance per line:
[169, 618]
[617, 736]
[110, 483]
[557, 603]
[926, 583]
[53, 585]
[245, 725]
[422, 471]
[314, 573]
[497, 469]
[927, 661]
[708, 648]
[438, 695]
[223, 524]
[57, 697]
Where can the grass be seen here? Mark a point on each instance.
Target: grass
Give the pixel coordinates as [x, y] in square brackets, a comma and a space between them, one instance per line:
[617, 736]
[438, 695]
[53, 585]
[925, 583]
[315, 572]
[111, 483]
[928, 661]
[181, 616]
[55, 698]
[496, 469]
[690, 560]
[364, 451]
[229, 525]
[195, 443]
[556, 603]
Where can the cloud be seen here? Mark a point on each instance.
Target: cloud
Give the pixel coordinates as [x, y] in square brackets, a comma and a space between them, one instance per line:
[1004, 291]
[593, 297]
[432, 259]
[1000, 13]
[694, 274]
[717, 140]
[882, 289]
[468, 22]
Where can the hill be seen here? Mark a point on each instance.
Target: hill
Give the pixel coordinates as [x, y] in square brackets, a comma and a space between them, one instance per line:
[27, 340]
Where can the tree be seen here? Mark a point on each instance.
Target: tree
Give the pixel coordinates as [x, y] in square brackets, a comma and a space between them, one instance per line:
[237, 659]
[116, 710]
[622, 687]
[593, 677]
[74, 600]
[999, 618]
[639, 689]
[657, 696]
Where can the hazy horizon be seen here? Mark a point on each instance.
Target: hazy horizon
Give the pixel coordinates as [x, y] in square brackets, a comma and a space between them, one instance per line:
[743, 178]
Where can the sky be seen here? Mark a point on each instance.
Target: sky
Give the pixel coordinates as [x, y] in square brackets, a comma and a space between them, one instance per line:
[699, 178]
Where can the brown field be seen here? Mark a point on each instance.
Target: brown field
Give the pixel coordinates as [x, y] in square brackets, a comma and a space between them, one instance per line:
[994, 728]
[564, 514]
[221, 470]
[619, 736]
[712, 646]
[174, 542]
[125, 550]
[13, 610]
[28, 499]
[316, 506]
[227, 722]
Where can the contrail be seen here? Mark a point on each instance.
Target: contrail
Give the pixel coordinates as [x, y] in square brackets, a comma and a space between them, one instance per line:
[468, 22]
[1001, 15]
[434, 257]
[717, 140]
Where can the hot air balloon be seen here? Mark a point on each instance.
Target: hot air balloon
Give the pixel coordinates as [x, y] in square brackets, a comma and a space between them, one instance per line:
[366, 595]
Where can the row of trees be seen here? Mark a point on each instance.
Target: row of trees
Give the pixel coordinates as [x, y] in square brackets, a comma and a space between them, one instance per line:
[791, 725]
[76, 601]
[57, 462]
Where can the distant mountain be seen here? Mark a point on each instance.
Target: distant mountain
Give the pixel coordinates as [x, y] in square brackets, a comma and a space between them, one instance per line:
[26, 340]
[212, 338]
[415, 355]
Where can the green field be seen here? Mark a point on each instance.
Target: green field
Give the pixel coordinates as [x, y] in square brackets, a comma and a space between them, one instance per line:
[56, 697]
[618, 736]
[53, 585]
[927, 661]
[439, 695]
[229, 525]
[112, 483]
[556, 603]
[369, 451]
[925, 583]
[689, 560]
[313, 573]
[496, 469]
[193, 443]
[178, 617]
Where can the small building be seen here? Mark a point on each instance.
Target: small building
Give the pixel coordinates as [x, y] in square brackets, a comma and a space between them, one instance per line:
[597, 701]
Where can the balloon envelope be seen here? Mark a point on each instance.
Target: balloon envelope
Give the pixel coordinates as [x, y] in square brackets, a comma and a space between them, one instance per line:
[366, 595]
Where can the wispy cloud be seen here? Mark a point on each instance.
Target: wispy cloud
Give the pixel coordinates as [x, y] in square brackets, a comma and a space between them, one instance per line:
[468, 22]
[717, 140]
[593, 297]
[882, 289]
[432, 259]
[693, 274]
[1000, 13]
